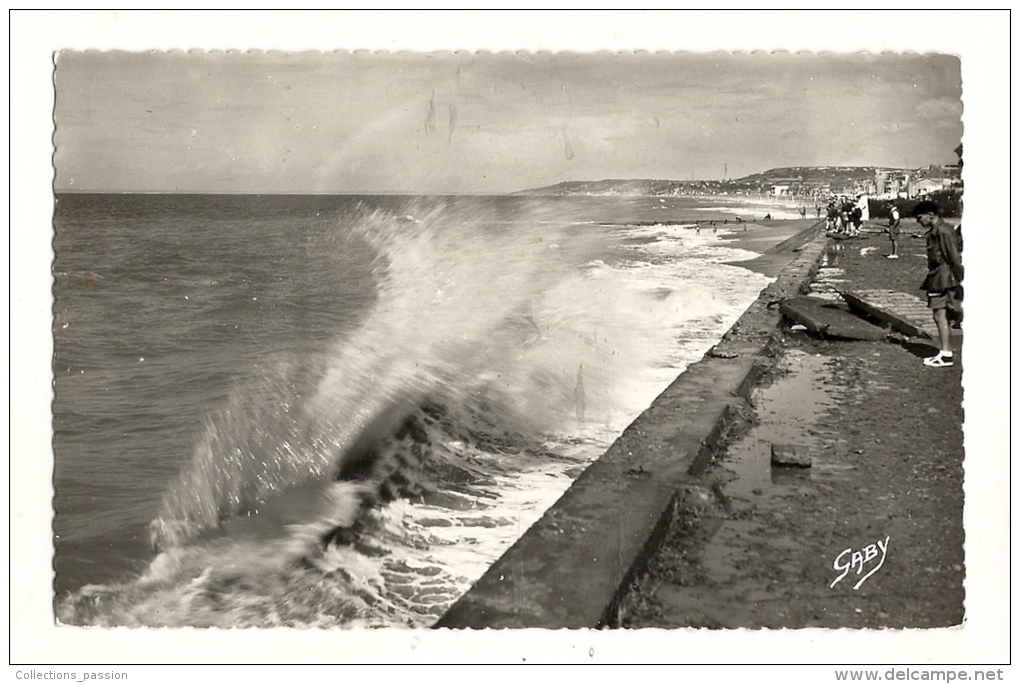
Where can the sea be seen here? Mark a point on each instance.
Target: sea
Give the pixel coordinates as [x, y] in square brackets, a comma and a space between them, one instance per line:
[338, 411]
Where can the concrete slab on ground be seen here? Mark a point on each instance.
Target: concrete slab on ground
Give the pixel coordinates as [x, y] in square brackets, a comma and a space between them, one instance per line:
[905, 313]
[829, 319]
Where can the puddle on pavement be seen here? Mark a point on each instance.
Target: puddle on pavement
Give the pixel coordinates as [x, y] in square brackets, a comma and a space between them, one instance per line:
[739, 591]
[833, 255]
[747, 560]
[788, 412]
[828, 281]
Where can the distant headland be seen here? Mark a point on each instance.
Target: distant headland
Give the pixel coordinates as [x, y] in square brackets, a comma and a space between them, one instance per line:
[792, 181]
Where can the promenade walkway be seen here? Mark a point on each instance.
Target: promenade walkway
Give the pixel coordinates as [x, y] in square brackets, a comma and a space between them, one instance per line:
[758, 544]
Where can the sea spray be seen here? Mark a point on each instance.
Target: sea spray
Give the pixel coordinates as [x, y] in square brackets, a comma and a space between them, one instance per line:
[494, 369]
[455, 305]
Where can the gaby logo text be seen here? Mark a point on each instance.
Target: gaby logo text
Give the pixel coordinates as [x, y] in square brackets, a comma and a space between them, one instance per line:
[849, 559]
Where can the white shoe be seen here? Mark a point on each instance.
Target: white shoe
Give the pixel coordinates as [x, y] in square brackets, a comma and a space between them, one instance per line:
[892, 256]
[940, 360]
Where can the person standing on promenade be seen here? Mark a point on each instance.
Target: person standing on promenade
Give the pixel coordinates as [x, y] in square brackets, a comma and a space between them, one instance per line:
[864, 204]
[855, 221]
[894, 229]
[845, 207]
[831, 217]
[945, 273]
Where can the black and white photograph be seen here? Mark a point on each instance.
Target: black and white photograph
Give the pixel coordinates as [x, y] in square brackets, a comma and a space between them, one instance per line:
[436, 342]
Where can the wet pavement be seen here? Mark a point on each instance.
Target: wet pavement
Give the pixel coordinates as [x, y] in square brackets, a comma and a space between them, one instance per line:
[871, 534]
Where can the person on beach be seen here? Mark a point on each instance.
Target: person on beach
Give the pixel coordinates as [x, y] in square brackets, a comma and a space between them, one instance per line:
[894, 229]
[945, 275]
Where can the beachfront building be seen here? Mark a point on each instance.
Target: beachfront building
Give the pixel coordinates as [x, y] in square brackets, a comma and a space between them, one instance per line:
[816, 188]
[895, 184]
[925, 186]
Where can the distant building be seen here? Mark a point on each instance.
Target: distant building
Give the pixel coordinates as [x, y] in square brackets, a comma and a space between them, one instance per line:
[925, 186]
[814, 188]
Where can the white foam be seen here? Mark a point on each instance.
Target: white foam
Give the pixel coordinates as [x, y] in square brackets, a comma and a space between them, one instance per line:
[549, 343]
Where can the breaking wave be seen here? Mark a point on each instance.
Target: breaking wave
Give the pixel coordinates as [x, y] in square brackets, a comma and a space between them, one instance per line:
[360, 483]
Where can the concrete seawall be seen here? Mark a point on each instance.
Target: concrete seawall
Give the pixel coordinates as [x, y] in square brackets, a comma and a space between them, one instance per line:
[571, 567]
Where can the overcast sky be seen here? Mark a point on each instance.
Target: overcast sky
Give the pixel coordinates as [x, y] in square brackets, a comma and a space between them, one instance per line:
[420, 123]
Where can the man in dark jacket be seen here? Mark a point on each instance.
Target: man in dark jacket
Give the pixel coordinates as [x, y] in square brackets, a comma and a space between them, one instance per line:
[945, 274]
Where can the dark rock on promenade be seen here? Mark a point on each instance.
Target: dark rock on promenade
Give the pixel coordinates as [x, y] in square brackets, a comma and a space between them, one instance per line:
[791, 456]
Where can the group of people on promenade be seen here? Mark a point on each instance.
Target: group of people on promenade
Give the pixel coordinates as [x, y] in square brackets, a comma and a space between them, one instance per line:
[844, 216]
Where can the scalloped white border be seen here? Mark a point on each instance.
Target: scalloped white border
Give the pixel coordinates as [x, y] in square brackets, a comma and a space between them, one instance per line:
[982, 39]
